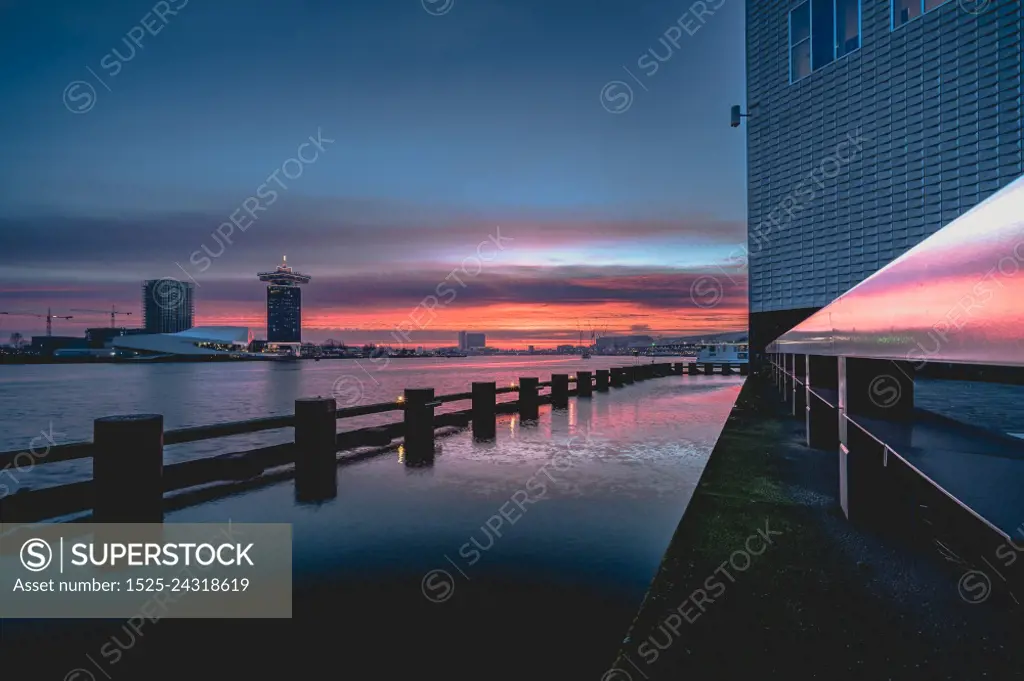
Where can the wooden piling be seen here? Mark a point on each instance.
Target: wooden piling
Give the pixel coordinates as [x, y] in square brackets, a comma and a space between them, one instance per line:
[616, 376]
[584, 384]
[629, 374]
[559, 391]
[484, 407]
[726, 370]
[709, 369]
[744, 369]
[127, 469]
[601, 380]
[691, 368]
[316, 463]
[419, 426]
[528, 398]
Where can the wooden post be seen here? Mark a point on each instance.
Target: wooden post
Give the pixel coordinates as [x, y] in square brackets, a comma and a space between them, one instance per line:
[602, 380]
[584, 385]
[726, 370]
[744, 369]
[528, 399]
[419, 426]
[691, 368]
[128, 468]
[617, 377]
[559, 391]
[630, 374]
[709, 369]
[316, 463]
[484, 417]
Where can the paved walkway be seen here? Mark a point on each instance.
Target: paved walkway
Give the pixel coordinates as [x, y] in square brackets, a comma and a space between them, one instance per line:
[765, 579]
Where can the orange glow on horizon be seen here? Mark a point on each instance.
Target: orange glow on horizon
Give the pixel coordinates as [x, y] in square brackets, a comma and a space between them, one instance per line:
[508, 325]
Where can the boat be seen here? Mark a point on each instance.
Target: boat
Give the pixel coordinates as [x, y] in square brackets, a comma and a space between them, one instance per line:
[732, 354]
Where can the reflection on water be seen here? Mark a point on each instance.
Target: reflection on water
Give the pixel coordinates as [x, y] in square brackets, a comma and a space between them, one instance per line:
[65, 399]
[526, 556]
[988, 405]
[549, 535]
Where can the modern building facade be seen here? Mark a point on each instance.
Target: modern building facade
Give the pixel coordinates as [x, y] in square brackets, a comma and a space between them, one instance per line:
[284, 303]
[198, 341]
[100, 337]
[871, 125]
[168, 305]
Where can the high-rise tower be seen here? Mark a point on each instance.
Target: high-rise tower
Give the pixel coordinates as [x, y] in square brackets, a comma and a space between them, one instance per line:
[167, 305]
[284, 303]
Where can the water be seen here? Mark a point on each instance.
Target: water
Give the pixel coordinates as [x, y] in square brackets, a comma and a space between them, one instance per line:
[58, 403]
[992, 406]
[605, 483]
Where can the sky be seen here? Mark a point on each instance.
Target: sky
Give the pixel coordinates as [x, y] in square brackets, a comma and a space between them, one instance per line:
[524, 169]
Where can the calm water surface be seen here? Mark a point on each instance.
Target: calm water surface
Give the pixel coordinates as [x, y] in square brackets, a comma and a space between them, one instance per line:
[554, 585]
[62, 401]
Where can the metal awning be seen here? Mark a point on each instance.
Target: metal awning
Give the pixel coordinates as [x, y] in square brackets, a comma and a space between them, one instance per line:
[958, 296]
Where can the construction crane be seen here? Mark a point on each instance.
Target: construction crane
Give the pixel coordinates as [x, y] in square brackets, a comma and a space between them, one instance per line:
[113, 314]
[49, 316]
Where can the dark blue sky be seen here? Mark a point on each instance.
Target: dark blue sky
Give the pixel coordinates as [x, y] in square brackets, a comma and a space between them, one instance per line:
[490, 112]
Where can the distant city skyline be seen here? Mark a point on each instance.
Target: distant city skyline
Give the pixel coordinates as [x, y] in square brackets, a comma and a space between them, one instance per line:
[214, 151]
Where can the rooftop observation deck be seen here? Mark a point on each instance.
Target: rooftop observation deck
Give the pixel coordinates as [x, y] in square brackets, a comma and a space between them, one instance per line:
[284, 276]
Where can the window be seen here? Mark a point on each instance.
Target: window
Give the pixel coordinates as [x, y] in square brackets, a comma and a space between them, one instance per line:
[847, 27]
[821, 31]
[823, 48]
[800, 42]
[907, 10]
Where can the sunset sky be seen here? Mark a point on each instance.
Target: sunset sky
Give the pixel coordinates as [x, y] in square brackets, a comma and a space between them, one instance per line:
[445, 130]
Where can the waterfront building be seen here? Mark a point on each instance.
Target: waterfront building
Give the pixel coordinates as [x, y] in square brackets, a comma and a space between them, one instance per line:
[612, 343]
[200, 340]
[871, 125]
[100, 337]
[471, 341]
[168, 305]
[49, 345]
[284, 303]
